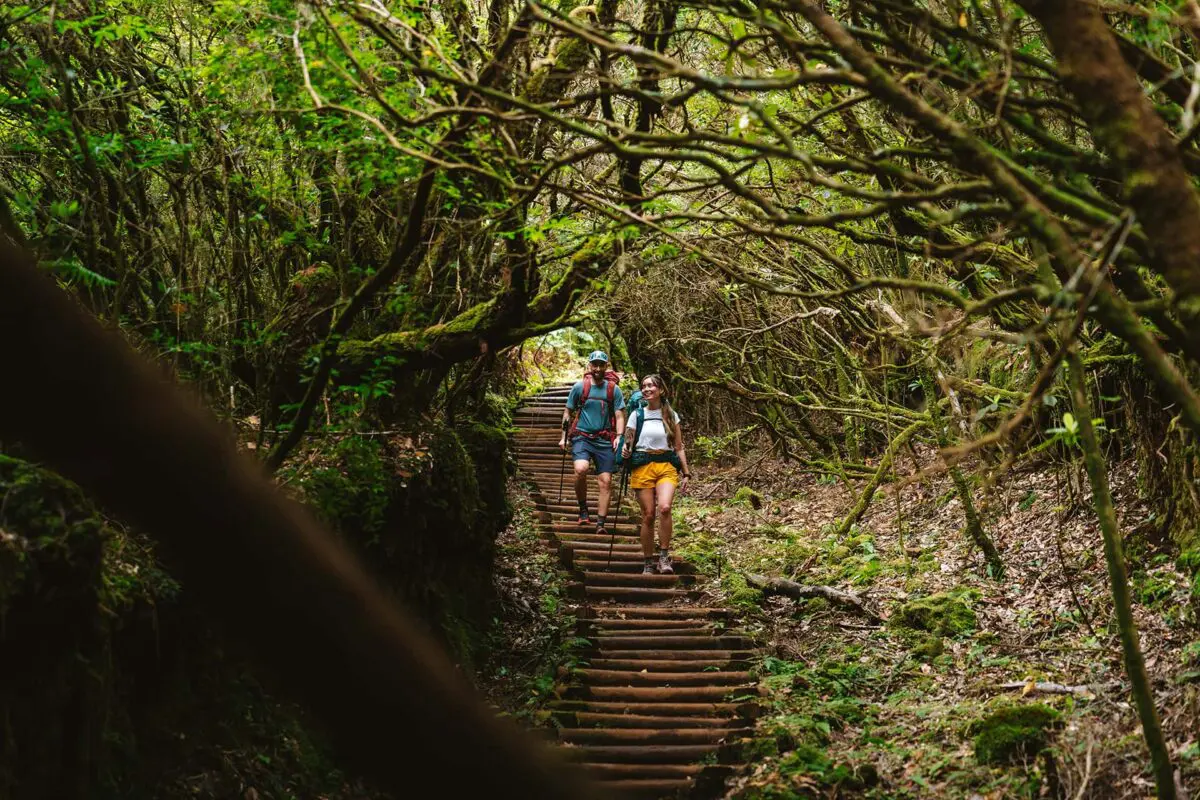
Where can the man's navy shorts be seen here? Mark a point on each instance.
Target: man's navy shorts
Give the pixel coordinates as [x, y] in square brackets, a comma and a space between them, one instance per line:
[598, 450]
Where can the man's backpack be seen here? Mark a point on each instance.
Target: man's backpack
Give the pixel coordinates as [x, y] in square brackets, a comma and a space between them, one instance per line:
[610, 388]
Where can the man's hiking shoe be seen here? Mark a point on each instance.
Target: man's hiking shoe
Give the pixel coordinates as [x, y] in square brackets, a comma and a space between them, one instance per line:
[601, 530]
[648, 568]
[664, 565]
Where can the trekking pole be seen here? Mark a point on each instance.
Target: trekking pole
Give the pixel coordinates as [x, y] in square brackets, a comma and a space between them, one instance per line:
[625, 470]
[562, 471]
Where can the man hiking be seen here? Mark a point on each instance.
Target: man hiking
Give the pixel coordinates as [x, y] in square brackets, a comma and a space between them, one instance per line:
[593, 422]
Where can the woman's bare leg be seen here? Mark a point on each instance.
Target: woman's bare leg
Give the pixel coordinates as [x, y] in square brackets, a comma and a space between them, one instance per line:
[646, 501]
[666, 494]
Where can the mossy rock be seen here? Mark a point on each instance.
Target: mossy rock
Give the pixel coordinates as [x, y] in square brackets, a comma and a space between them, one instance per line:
[739, 593]
[943, 614]
[746, 496]
[927, 647]
[1013, 734]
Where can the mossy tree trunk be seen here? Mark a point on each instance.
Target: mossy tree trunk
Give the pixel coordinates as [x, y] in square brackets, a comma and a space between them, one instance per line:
[973, 524]
[1114, 555]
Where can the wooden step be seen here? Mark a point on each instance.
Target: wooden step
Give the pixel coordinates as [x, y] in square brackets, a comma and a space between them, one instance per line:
[654, 612]
[642, 754]
[625, 559]
[665, 694]
[644, 770]
[683, 656]
[666, 665]
[648, 788]
[681, 630]
[616, 677]
[602, 624]
[635, 579]
[672, 709]
[646, 735]
[601, 539]
[627, 593]
[722, 642]
[584, 719]
[627, 566]
[574, 532]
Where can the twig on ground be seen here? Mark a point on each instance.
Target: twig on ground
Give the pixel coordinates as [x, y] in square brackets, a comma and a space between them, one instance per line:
[1087, 770]
[1046, 687]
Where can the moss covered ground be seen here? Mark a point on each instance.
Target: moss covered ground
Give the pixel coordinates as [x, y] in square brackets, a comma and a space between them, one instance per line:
[950, 696]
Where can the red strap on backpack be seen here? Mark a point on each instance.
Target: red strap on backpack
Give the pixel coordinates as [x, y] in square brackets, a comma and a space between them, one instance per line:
[610, 418]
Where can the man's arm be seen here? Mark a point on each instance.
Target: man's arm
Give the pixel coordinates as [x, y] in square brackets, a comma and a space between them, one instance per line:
[566, 417]
[618, 413]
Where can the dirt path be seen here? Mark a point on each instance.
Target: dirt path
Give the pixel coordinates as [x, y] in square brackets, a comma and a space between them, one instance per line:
[662, 695]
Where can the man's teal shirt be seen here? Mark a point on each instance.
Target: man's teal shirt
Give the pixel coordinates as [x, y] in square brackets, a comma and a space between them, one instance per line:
[594, 416]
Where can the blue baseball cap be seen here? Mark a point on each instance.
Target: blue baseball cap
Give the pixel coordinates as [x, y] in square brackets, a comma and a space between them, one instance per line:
[598, 355]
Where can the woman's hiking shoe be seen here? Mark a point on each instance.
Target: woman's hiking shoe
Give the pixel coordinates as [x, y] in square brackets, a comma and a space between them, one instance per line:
[664, 565]
[648, 568]
[584, 520]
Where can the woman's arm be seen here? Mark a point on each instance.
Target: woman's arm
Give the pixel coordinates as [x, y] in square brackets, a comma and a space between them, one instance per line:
[681, 452]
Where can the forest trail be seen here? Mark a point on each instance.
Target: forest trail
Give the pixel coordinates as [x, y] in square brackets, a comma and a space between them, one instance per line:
[662, 695]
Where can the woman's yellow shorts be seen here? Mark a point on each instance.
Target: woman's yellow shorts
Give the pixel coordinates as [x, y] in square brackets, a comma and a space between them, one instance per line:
[650, 475]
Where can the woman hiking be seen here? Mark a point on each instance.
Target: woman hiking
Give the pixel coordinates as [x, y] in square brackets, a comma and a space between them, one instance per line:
[655, 450]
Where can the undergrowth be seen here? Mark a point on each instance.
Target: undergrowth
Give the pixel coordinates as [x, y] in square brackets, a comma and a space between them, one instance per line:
[944, 698]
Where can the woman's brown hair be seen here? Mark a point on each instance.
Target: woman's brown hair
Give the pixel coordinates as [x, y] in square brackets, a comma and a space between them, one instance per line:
[668, 414]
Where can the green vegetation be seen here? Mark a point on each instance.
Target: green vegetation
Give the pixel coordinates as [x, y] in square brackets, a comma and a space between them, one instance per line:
[920, 274]
[92, 624]
[748, 496]
[943, 614]
[1014, 733]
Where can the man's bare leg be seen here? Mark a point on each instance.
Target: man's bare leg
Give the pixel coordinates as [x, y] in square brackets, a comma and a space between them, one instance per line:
[581, 475]
[604, 479]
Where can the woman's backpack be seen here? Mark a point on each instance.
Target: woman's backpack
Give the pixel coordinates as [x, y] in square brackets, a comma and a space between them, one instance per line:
[637, 459]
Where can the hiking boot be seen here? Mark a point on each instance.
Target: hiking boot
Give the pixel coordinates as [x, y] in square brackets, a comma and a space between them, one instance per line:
[601, 530]
[664, 565]
[648, 568]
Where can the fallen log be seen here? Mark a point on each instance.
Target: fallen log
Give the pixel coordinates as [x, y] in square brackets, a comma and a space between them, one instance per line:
[801, 591]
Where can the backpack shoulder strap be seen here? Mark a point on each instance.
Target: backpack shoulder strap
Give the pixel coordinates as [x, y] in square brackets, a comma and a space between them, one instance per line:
[637, 433]
[578, 412]
[611, 418]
